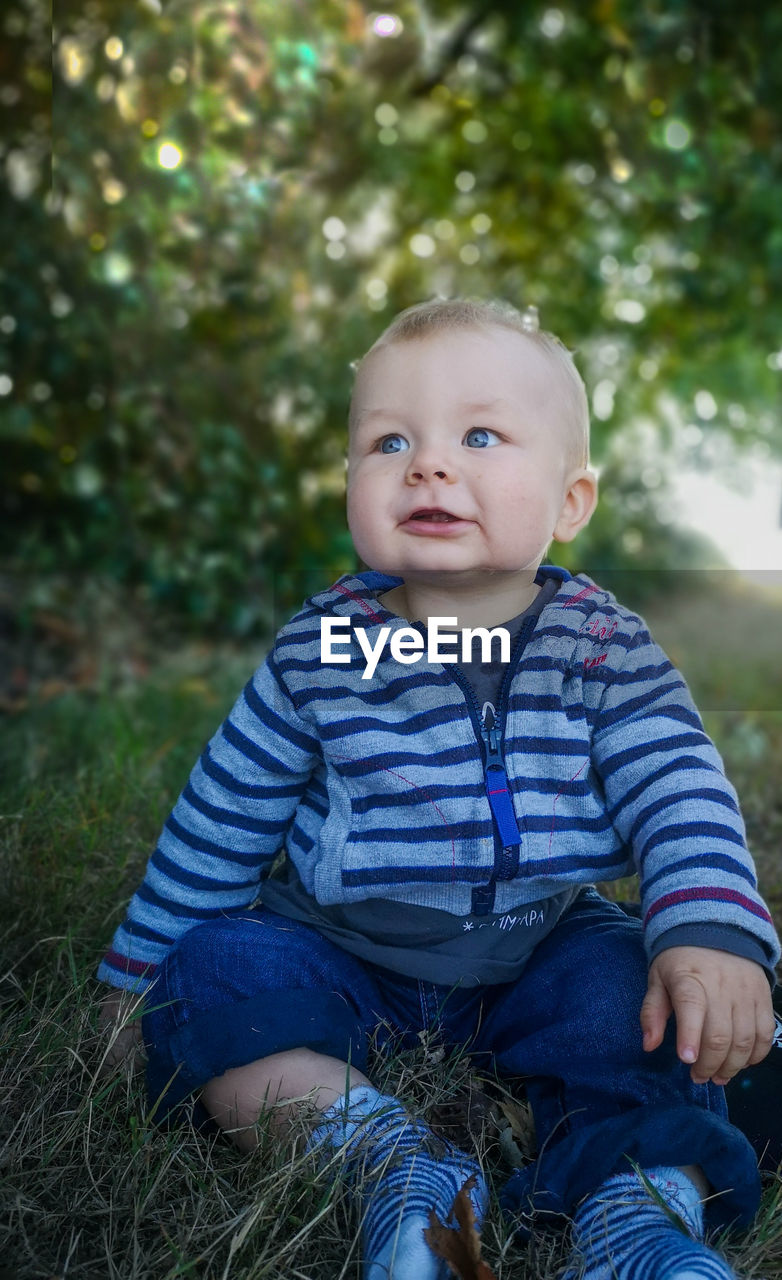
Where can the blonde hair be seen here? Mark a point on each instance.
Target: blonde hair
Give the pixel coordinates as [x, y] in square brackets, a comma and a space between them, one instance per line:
[444, 314]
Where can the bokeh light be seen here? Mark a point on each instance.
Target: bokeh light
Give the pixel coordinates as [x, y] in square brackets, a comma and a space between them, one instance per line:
[470, 254]
[603, 399]
[677, 135]
[705, 405]
[386, 115]
[334, 229]
[552, 24]
[630, 310]
[75, 61]
[113, 191]
[387, 24]
[169, 156]
[621, 169]
[464, 181]
[117, 268]
[474, 131]
[423, 246]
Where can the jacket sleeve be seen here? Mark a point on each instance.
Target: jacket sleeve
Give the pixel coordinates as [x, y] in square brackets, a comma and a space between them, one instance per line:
[671, 803]
[224, 832]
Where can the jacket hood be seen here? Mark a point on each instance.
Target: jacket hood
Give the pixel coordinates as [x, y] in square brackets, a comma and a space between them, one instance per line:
[355, 596]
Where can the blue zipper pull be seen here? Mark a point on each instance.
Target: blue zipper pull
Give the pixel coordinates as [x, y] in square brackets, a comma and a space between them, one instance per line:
[497, 789]
[492, 742]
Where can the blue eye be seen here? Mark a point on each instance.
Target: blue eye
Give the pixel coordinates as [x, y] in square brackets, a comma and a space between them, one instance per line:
[479, 438]
[393, 444]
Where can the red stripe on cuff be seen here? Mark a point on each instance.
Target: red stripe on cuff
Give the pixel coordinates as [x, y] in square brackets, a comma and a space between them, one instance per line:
[707, 895]
[137, 968]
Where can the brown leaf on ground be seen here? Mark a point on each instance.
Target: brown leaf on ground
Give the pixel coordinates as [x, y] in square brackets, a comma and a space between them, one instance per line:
[460, 1246]
[518, 1116]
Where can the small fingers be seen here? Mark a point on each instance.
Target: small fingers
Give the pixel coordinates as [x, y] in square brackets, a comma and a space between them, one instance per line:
[766, 1026]
[724, 1015]
[753, 1036]
[655, 1012]
[689, 1003]
[768, 1023]
[727, 1051]
[738, 1041]
[716, 1043]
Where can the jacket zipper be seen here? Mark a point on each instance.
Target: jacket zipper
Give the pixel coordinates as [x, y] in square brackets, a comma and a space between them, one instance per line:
[507, 837]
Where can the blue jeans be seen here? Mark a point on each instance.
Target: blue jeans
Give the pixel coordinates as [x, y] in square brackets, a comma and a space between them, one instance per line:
[253, 983]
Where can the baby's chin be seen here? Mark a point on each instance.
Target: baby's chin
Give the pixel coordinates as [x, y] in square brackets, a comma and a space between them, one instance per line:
[473, 576]
[440, 565]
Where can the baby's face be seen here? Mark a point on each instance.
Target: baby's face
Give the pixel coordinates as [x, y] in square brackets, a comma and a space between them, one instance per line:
[458, 462]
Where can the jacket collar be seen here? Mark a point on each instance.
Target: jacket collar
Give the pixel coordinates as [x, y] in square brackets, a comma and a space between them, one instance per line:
[355, 595]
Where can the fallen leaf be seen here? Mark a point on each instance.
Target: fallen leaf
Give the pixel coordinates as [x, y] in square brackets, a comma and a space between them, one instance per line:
[460, 1246]
[519, 1116]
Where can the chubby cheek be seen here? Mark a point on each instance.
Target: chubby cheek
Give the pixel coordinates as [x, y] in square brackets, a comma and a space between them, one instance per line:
[521, 517]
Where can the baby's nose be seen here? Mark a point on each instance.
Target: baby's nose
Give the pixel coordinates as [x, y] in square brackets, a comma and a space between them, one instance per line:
[425, 473]
[428, 464]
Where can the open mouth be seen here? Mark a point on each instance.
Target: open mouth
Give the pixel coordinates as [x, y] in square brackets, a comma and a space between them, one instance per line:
[434, 516]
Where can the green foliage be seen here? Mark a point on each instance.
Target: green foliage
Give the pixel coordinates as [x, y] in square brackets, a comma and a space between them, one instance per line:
[85, 783]
[179, 338]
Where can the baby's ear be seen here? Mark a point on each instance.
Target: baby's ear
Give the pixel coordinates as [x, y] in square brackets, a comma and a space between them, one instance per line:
[579, 502]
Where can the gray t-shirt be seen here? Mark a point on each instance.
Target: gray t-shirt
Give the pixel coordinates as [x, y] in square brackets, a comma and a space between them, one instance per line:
[423, 942]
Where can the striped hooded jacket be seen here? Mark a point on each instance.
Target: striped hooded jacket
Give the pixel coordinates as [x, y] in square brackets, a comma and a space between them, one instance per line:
[391, 788]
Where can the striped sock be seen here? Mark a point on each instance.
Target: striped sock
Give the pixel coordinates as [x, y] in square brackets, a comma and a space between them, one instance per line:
[400, 1171]
[622, 1233]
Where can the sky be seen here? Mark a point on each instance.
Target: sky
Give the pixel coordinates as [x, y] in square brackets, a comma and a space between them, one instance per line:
[742, 517]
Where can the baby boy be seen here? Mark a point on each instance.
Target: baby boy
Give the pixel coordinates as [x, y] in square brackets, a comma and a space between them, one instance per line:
[443, 823]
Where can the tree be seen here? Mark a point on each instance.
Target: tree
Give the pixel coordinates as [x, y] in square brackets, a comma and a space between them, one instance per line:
[245, 193]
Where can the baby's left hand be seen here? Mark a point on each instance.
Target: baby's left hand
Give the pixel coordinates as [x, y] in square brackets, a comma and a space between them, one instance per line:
[722, 1002]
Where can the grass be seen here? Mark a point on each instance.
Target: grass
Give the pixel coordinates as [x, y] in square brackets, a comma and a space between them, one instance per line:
[90, 1190]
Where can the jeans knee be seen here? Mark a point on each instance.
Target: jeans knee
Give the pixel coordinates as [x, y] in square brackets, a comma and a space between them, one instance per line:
[239, 956]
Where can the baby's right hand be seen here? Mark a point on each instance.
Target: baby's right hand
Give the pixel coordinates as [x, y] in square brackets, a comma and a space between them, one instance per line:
[121, 1030]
